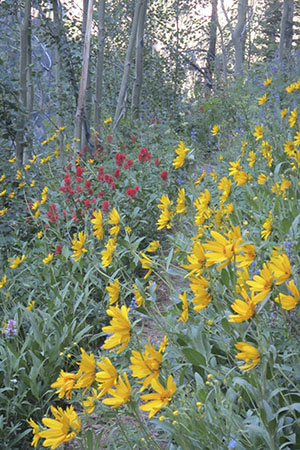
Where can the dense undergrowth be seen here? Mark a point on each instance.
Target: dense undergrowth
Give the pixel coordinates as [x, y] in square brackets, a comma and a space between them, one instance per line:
[206, 209]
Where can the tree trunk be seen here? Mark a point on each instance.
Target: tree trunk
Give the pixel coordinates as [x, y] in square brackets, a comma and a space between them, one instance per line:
[84, 75]
[99, 70]
[239, 36]
[124, 83]
[58, 78]
[22, 114]
[286, 30]
[211, 53]
[139, 58]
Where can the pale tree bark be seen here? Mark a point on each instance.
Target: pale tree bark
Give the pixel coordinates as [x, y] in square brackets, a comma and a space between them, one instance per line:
[286, 30]
[30, 89]
[238, 34]
[100, 65]
[58, 77]
[84, 75]
[85, 131]
[139, 59]
[211, 53]
[125, 78]
[23, 91]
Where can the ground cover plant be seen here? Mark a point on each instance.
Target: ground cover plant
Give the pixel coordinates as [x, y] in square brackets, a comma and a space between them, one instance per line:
[92, 356]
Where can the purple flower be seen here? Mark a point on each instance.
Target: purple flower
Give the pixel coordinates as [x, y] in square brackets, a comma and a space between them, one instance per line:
[11, 328]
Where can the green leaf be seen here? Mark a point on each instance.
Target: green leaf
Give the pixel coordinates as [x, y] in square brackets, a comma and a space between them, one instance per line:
[194, 357]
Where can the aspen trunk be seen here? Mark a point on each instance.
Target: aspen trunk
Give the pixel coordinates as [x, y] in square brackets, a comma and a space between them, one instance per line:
[23, 92]
[99, 70]
[139, 59]
[124, 83]
[239, 36]
[84, 75]
[211, 53]
[286, 30]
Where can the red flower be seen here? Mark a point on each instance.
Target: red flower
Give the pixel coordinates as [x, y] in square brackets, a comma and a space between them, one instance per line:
[58, 249]
[201, 108]
[87, 203]
[87, 184]
[131, 193]
[133, 139]
[144, 155]
[109, 138]
[85, 150]
[117, 173]
[120, 157]
[100, 194]
[156, 162]
[128, 163]
[79, 171]
[164, 175]
[105, 206]
[100, 173]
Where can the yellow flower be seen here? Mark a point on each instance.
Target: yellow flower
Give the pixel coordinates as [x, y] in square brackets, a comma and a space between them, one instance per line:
[262, 178]
[289, 302]
[261, 284]
[40, 234]
[181, 207]
[283, 112]
[3, 211]
[262, 99]
[181, 152]
[249, 354]
[266, 231]
[107, 120]
[185, 309]
[35, 431]
[246, 259]
[128, 229]
[65, 384]
[268, 81]
[119, 329]
[251, 158]
[19, 175]
[289, 148]
[297, 138]
[30, 305]
[12, 160]
[114, 219]
[89, 403]
[152, 247]
[32, 183]
[3, 281]
[259, 132]
[225, 186]
[197, 182]
[3, 193]
[293, 117]
[146, 264]
[21, 185]
[2, 178]
[243, 308]
[146, 365]
[98, 227]
[107, 378]
[63, 428]
[78, 245]
[163, 345]
[164, 219]
[215, 130]
[44, 195]
[17, 261]
[108, 253]
[222, 250]
[86, 372]
[196, 260]
[161, 398]
[200, 288]
[120, 394]
[48, 258]
[113, 291]
[140, 301]
[281, 268]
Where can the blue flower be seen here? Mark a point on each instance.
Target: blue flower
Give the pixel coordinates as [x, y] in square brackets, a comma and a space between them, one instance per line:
[232, 444]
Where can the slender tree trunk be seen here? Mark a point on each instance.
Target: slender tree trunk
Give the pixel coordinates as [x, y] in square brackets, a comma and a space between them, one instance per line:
[124, 83]
[286, 30]
[139, 59]
[211, 53]
[84, 75]
[23, 93]
[30, 90]
[239, 36]
[58, 78]
[99, 70]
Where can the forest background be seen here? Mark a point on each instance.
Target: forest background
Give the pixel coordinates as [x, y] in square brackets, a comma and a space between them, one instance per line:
[95, 98]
